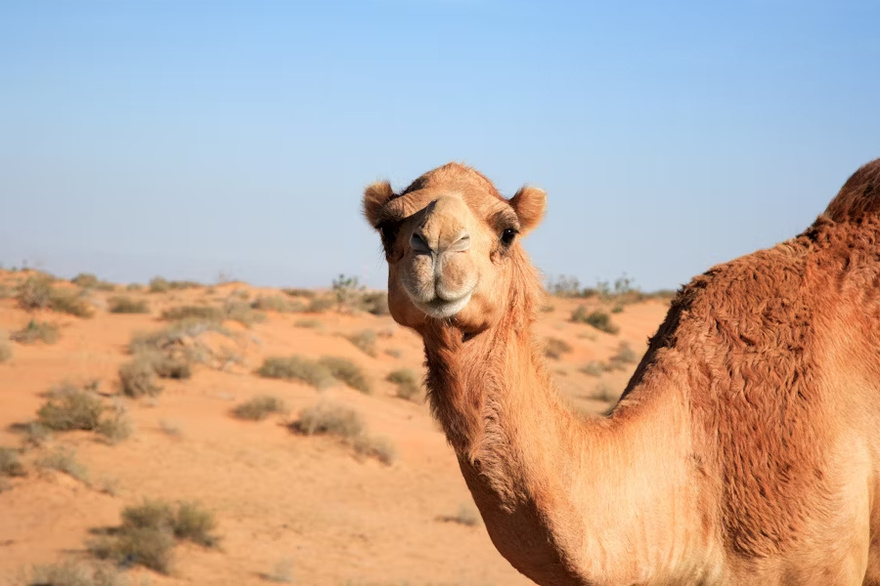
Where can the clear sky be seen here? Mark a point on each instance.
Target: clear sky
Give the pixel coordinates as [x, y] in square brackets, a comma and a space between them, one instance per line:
[192, 138]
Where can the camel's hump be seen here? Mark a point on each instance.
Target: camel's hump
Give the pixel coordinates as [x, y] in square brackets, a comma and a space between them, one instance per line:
[859, 196]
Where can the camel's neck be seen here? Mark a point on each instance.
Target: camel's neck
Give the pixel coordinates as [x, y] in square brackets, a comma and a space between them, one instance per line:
[563, 498]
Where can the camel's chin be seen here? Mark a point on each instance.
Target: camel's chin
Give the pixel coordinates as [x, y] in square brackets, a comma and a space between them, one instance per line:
[443, 309]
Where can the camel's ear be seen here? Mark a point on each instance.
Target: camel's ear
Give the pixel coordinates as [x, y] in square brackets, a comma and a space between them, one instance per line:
[376, 196]
[529, 203]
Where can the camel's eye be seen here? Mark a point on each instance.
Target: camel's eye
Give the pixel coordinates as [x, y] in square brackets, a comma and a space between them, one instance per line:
[507, 236]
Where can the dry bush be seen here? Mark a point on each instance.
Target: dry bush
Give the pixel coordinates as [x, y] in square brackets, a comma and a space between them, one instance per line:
[603, 392]
[379, 448]
[321, 304]
[71, 408]
[180, 285]
[365, 340]
[36, 331]
[625, 355]
[85, 280]
[299, 292]
[72, 573]
[193, 523]
[176, 334]
[36, 434]
[346, 371]
[199, 312]
[64, 460]
[326, 419]
[36, 292]
[467, 515]
[297, 368]
[124, 304]
[148, 547]
[308, 323]
[281, 573]
[9, 463]
[598, 319]
[259, 408]
[375, 303]
[71, 303]
[242, 312]
[593, 368]
[116, 426]
[138, 378]
[393, 352]
[159, 285]
[134, 287]
[278, 304]
[407, 381]
[555, 347]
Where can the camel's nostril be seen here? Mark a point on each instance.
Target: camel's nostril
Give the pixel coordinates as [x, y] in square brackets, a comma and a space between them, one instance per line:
[418, 243]
[461, 244]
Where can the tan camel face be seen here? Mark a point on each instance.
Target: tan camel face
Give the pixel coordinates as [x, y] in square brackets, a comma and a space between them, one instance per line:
[450, 240]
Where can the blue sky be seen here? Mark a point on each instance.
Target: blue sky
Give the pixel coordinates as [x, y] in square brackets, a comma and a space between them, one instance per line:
[192, 138]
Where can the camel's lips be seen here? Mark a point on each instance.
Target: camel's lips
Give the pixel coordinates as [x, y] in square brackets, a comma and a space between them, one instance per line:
[444, 308]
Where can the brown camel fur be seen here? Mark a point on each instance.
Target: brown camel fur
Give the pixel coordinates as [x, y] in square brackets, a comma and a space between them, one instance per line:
[744, 449]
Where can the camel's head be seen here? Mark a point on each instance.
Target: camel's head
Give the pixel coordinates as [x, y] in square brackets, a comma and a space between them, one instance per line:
[452, 245]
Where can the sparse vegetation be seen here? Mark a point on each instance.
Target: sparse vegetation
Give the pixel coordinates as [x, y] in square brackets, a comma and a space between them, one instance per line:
[327, 419]
[346, 371]
[308, 323]
[467, 515]
[297, 368]
[36, 292]
[125, 304]
[71, 408]
[603, 392]
[320, 304]
[598, 319]
[375, 303]
[592, 368]
[407, 382]
[36, 331]
[379, 448]
[555, 347]
[71, 303]
[73, 573]
[64, 460]
[138, 377]
[347, 291]
[278, 304]
[5, 349]
[148, 531]
[198, 312]
[298, 292]
[624, 356]
[281, 573]
[159, 285]
[9, 463]
[116, 426]
[242, 312]
[259, 408]
[365, 340]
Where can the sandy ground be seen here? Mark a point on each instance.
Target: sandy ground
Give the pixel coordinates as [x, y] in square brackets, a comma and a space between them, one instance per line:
[307, 507]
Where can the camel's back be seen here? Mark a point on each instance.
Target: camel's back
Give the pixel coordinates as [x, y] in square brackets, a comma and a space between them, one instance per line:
[754, 338]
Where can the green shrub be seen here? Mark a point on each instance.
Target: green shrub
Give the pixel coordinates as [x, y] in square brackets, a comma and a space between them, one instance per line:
[123, 304]
[598, 319]
[365, 340]
[71, 408]
[9, 463]
[36, 331]
[297, 368]
[259, 408]
[346, 371]
[407, 382]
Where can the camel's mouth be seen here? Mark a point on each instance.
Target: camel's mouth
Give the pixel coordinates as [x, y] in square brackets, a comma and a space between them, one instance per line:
[439, 308]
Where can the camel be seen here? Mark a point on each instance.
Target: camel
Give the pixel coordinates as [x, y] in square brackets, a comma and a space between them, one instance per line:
[744, 449]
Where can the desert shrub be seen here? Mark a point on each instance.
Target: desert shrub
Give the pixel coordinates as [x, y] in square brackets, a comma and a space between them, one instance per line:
[134, 287]
[593, 368]
[123, 304]
[299, 292]
[85, 280]
[407, 382]
[36, 434]
[36, 331]
[379, 448]
[116, 425]
[5, 349]
[180, 285]
[71, 303]
[174, 335]
[565, 286]
[375, 303]
[603, 392]
[320, 304]
[281, 573]
[346, 371]
[159, 285]
[9, 463]
[242, 312]
[193, 523]
[625, 354]
[617, 309]
[64, 460]
[259, 408]
[277, 304]
[555, 347]
[200, 312]
[297, 368]
[138, 377]
[170, 428]
[598, 319]
[34, 293]
[347, 291]
[72, 573]
[166, 366]
[146, 546]
[308, 323]
[467, 515]
[365, 340]
[326, 419]
[71, 408]
[151, 514]
[393, 352]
